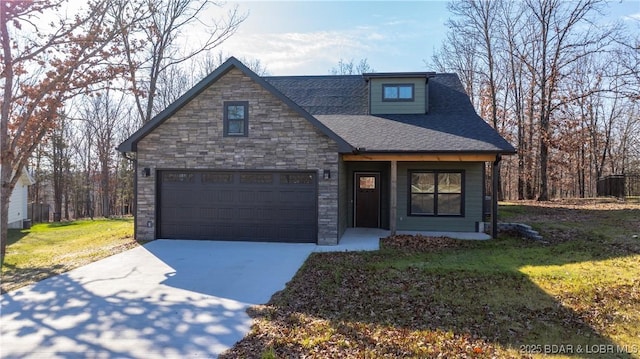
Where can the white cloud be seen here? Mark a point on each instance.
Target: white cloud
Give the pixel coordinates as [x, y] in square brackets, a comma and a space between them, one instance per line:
[299, 52]
[634, 17]
[399, 22]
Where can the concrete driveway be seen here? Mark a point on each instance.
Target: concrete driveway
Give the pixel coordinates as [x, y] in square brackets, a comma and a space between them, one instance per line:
[167, 299]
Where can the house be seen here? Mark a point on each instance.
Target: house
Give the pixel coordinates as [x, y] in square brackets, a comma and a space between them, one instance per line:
[18, 201]
[303, 158]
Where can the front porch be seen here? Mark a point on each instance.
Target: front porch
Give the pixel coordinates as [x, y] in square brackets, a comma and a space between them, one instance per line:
[368, 239]
[380, 192]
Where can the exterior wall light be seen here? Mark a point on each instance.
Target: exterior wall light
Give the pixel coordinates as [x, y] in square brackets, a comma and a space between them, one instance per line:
[326, 174]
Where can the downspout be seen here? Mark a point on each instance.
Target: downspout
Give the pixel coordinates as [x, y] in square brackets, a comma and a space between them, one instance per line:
[494, 196]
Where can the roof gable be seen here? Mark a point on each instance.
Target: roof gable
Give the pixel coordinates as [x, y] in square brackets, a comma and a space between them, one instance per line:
[26, 179]
[130, 144]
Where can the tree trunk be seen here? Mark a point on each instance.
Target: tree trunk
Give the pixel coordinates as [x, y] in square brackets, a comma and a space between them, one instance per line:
[6, 157]
[544, 161]
[104, 183]
[5, 193]
[57, 145]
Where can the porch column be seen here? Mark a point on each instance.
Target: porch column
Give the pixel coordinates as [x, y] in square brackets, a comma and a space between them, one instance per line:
[495, 172]
[393, 198]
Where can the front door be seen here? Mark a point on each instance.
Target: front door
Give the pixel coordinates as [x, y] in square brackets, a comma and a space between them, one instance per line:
[367, 200]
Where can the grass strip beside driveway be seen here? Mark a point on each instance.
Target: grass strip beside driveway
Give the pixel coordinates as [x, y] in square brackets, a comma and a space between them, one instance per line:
[48, 249]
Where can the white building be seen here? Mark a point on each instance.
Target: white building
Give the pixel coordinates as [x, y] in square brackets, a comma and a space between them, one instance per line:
[19, 200]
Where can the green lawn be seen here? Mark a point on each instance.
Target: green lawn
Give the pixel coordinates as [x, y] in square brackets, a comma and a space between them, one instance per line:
[575, 295]
[578, 295]
[51, 248]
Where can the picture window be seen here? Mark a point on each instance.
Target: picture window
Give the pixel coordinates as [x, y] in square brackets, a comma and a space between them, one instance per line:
[436, 193]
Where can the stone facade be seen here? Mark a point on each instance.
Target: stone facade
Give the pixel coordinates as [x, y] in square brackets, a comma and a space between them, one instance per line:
[278, 139]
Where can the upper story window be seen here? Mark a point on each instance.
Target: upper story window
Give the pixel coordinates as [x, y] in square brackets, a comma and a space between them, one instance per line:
[397, 92]
[236, 118]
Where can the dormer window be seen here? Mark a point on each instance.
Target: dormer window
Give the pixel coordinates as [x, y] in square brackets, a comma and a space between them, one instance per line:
[397, 92]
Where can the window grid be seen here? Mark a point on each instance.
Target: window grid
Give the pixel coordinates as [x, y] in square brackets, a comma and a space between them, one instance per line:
[236, 118]
[436, 193]
[398, 92]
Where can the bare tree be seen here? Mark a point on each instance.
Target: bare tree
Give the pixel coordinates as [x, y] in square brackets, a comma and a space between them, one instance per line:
[628, 57]
[461, 57]
[476, 22]
[627, 152]
[518, 79]
[155, 46]
[103, 116]
[351, 68]
[562, 42]
[523, 65]
[43, 65]
[60, 154]
[172, 83]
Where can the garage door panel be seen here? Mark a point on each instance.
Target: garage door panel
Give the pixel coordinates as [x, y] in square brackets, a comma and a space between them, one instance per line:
[181, 231]
[179, 196]
[264, 214]
[288, 196]
[245, 214]
[291, 232]
[227, 205]
[214, 214]
[222, 195]
[254, 231]
[222, 231]
[299, 196]
[255, 196]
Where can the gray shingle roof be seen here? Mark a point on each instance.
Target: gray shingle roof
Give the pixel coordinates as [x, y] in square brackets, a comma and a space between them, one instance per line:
[415, 133]
[338, 106]
[325, 95]
[341, 104]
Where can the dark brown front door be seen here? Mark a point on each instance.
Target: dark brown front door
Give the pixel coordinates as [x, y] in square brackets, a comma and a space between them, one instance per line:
[367, 200]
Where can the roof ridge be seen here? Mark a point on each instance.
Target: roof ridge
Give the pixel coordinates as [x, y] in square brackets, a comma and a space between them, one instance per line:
[311, 76]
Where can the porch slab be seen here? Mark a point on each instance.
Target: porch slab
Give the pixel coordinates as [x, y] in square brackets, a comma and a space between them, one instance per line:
[357, 239]
[368, 239]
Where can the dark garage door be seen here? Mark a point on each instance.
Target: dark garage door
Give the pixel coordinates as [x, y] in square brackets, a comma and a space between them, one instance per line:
[255, 206]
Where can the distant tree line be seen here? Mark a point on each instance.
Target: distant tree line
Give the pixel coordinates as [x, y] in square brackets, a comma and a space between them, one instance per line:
[76, 82]
[557, 79]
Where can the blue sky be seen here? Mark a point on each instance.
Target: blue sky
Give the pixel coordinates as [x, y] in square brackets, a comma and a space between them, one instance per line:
[310, 37]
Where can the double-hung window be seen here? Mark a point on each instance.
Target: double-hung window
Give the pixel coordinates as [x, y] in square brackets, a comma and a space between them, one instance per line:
[236, 118]
[436, 193]
[397, 92]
